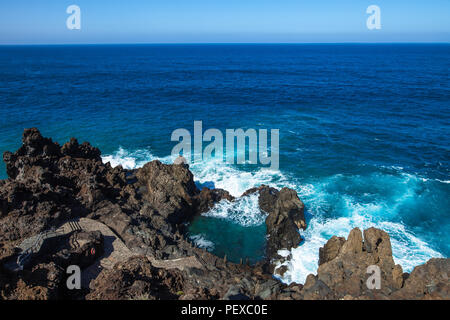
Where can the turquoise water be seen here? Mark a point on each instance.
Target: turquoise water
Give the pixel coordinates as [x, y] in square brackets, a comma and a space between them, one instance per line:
[364, 129]
[235, 229]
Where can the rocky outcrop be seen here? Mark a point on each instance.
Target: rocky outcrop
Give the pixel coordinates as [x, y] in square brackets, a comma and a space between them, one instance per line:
[44, 275]
[331, 249]
[207, 198]
[143, 212]
[345, 268]
[286, 217]
[47, 185]
[169, 189]
[428, 281]
[137, 279]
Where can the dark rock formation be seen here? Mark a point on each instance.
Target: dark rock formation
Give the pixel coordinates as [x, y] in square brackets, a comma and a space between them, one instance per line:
[343, 268]
[44, 275]
[331, 249]
[47, 186]
[137, 279]
[343, 272]
[42, 282]
[209, 197]
[146, 209]
[428, 281]
[169, 189]
[286, 217]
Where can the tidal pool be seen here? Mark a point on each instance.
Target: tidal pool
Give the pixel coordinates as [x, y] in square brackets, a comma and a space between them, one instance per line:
[236, 229]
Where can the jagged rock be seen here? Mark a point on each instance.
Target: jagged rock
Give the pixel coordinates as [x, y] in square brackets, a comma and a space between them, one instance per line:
[291, 292]
[267, 197]
[331, 249]
[49, 185]
[343, 267]
[286, 217]
[281, 271]
[284, 220]
[85, 151]
[3, 207]
[136, 279]
[209, 197]
[84, 249]
[170, 189]
[428, 281]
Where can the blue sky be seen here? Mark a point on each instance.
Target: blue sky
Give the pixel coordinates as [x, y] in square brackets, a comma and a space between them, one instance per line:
[191, 21]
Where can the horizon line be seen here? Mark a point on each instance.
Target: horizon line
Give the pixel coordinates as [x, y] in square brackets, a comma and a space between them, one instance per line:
[222, 43]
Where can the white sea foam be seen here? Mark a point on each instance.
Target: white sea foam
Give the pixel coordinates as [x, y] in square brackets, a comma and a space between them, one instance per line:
[127, 159]
[244, 211]
[327, 195]
[408, 250]
[200, 241]
[210, 173]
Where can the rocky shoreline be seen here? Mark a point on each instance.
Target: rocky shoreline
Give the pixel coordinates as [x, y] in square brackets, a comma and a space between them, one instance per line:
[126, 231]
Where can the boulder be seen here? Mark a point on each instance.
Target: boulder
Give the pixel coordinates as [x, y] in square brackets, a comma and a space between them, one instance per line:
[169, 189]
[267, 197]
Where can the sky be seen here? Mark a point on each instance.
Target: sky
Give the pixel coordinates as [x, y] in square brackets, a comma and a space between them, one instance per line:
[223, 21]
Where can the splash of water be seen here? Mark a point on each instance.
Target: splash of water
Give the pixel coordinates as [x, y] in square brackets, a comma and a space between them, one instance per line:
[335, 205]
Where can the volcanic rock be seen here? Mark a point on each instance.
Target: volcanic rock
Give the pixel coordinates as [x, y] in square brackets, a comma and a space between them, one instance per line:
[146, 209]
[344, 264]
[137, 279]
[428, 281]
[170, 189]
[209, 197]
[286, 217]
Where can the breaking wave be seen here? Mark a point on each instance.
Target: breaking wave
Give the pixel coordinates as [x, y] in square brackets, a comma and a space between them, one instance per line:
[335, 205]
[244, 211]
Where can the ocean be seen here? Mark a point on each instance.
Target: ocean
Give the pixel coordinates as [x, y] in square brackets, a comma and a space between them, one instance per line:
[364, 130]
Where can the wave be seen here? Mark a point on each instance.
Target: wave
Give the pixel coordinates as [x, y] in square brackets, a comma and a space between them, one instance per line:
[212, 173]
[129, 160]
[408, 250]
[335, 205]
[352, 206]
[244, 211]
[200, 241]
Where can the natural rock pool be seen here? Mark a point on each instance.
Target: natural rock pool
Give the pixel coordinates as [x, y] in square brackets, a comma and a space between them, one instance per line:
[235, 229]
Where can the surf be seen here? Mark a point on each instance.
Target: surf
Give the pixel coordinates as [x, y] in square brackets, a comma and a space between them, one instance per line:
[335, 205]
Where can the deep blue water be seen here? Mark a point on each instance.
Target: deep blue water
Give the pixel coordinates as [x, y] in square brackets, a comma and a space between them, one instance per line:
[364, 129]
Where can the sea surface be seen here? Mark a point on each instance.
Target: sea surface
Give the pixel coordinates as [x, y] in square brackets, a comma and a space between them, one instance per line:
[364, 130]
